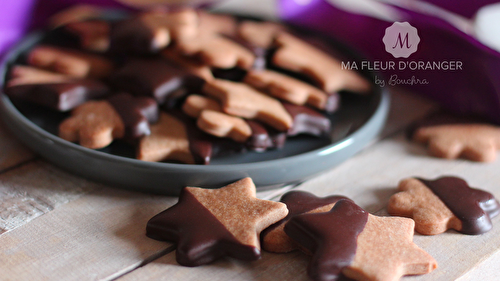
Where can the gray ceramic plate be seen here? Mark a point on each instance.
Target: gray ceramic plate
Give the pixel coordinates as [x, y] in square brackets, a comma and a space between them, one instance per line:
[357, 123]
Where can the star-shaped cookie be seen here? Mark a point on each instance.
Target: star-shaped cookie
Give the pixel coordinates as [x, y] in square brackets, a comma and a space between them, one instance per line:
[442, 204]
[274, 238]
[241, 100]
[361, 246]
[208, 224]
[476, 142]
[94, 124]
[168, 140]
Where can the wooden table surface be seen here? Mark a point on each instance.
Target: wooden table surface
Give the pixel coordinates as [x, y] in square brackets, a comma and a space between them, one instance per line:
[57, 226]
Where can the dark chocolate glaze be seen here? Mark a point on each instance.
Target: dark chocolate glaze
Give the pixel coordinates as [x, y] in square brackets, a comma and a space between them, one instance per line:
[60, 96]
[155, 78]
[233, 74]
[200, 143]
[473, 207]
[264, 137]
[300, 202]
[331, 237]
[332, 103]
[237, 74]
[203, 146]
[307, 121]
[200, 237]
[136, 112]
[132, 36]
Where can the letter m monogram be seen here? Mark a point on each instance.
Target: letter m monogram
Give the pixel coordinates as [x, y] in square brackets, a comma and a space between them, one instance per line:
[402, 42]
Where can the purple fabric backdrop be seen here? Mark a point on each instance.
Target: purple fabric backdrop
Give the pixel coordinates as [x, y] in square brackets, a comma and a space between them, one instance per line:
[474, 90]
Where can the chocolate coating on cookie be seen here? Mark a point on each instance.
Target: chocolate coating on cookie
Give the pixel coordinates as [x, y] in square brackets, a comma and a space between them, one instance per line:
[208, 224]
[331, 237]
[307, 121]
[264, 137]
[154, 78]
[473, 207]
[178, 221]
[60, 96]
[136, 113]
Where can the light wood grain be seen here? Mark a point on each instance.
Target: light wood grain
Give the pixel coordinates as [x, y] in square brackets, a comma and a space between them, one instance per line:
[12, 152]
[98, 236]
[34, 189]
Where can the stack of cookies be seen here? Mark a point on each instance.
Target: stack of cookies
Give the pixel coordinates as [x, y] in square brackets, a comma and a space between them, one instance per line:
[183, 85]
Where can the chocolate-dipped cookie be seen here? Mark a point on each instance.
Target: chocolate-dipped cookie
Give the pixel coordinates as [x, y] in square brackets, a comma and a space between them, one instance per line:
[207, 224]
[154, 78]
[274, 239]
[348, 240]
[136, 112]
[444, 203]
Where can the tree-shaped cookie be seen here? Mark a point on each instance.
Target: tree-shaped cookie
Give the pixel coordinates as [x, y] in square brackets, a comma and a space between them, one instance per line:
[70, 62]
[242, 100]
[296, 55]
[291, 90]
[208, 224]
[217, 51]
[477, 142]
[359, 245]
[444, 203]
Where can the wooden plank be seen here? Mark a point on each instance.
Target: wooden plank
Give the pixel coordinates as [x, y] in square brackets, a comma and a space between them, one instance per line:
[34, 189]
[97, 236]
[370, 179]
[12, 152]
[486, 270]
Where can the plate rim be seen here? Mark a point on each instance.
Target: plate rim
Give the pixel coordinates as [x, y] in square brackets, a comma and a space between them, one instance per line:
[8, 110]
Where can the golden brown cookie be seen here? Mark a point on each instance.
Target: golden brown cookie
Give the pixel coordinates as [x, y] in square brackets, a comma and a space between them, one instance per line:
[70, 62]
[23, 75]
[211, 120]
[195, 104]
[296, 55]
[217, 51]
[286, 88]
[442, 204]
[241, 100]
[190, 64]
[151, 31]
[359, 245]
[210, 23]
[222, 125]
[168, 141]
[208, 224]
[94, 124]
[476, 142]
[260, 34]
